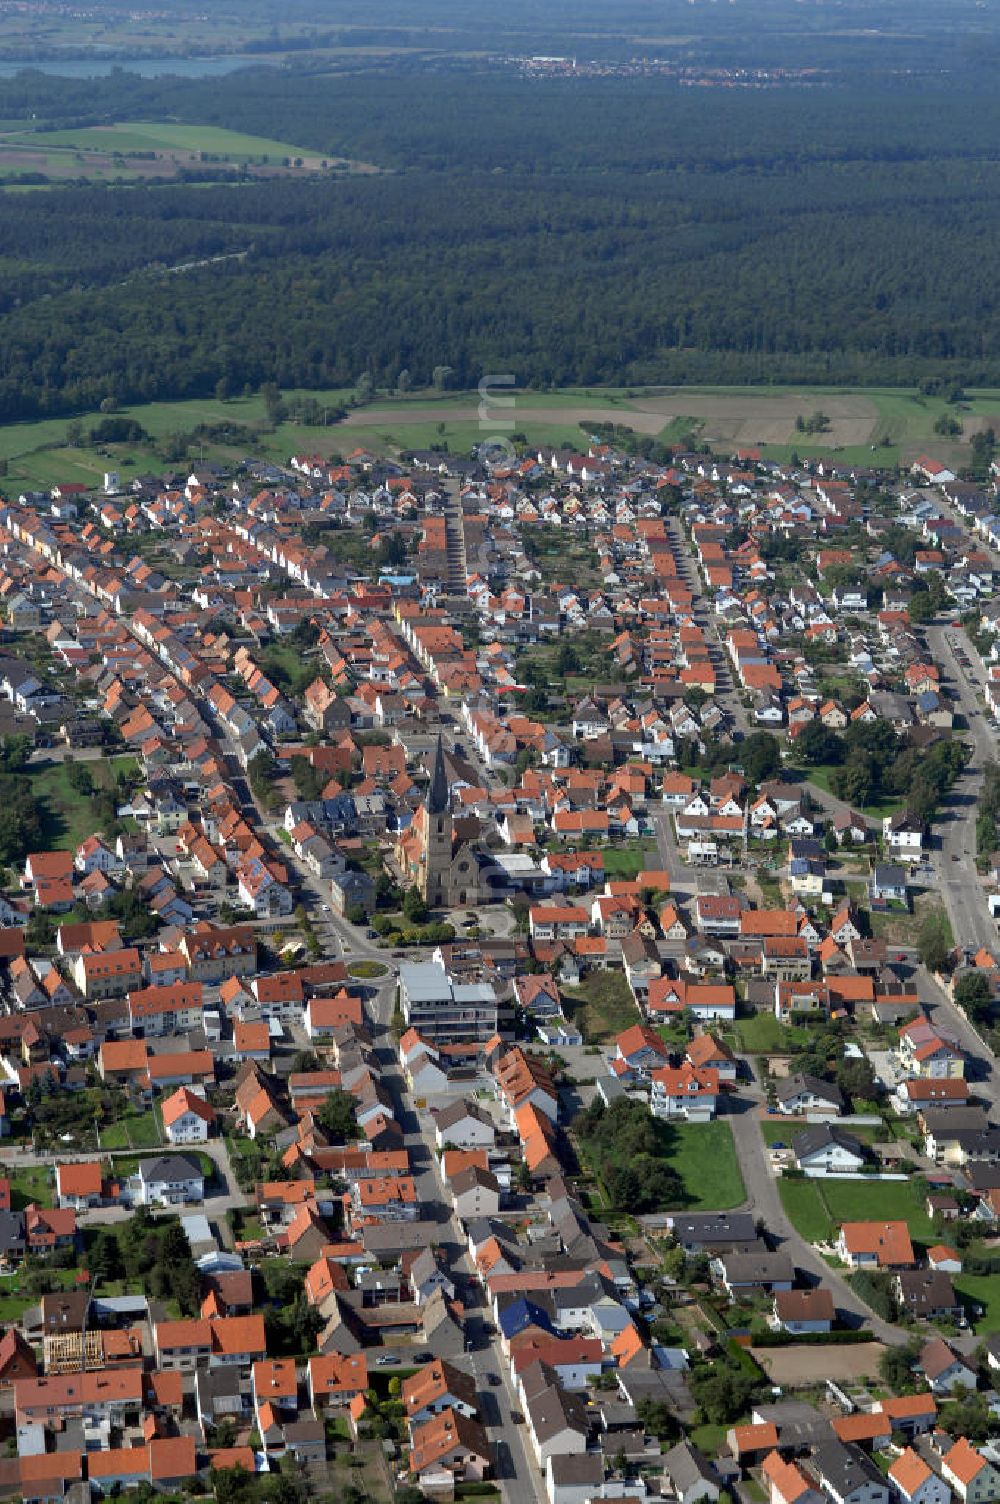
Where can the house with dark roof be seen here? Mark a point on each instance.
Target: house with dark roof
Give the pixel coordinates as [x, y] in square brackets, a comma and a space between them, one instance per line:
[823, 1149]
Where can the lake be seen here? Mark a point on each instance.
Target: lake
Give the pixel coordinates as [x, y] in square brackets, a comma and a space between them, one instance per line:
[154, 67]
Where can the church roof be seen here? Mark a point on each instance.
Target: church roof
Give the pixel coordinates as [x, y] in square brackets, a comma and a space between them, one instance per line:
[439, 798]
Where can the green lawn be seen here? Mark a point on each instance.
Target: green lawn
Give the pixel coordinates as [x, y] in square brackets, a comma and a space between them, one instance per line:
[69, 816]
[783, 1130]
[13, 1307]
[805, 1209]
[709, 1438]
[626, 862]
[983, 1290]
[762, 1034]
[135, 1130]
[39, 457]
[822, 777]
[818, 1208]
[30, 1183]
[602, 1006]
[779, 1130]
[704, 1155]
[286, 666]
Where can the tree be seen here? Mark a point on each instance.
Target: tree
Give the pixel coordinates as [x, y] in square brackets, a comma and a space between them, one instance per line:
[723, 1393]
[309, 781]
[855, 781]
[761, 756]
[895, 1366]
[658, 1418]
[273, 405]
[857, 1079]
[414, 907]
[818, 744]
[138, 921]
[974, 993]
[933, 941]
[104, 1258]
[337, 1117]
[920, 608]
[261, 774]
[79, 777]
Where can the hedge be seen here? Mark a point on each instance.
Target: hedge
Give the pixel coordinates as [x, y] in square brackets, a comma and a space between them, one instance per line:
[806, 1339]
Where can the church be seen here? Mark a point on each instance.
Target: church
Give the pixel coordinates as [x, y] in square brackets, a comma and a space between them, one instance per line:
[445, 869]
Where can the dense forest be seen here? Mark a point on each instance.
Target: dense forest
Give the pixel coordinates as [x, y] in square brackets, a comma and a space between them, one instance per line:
[585, 231]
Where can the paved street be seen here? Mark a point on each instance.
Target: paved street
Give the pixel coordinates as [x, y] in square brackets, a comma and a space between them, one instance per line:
[518, 1477]
[764, 1202]
[955, 847]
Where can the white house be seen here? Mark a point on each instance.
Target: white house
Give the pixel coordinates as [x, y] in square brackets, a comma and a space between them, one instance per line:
[848, 1476]
[903, 834]
[169, 1180]
[684, 1092]
[973, 1479]
[464, 1125]
[801, 1093]
[187, 1118]
[826, 1150]
[915, 1482]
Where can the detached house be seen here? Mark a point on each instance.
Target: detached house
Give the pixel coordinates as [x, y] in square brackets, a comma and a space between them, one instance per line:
[876, 1245]
[684, 1092]
[916, 1482]
[973, 1478]
[903, 834]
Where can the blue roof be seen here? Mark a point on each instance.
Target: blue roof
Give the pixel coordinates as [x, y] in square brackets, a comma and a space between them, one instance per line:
[521, 1314]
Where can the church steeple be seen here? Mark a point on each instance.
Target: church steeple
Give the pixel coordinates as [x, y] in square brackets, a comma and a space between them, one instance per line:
[439, 798]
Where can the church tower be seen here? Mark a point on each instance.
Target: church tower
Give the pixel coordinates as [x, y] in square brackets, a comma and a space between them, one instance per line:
[435, 873]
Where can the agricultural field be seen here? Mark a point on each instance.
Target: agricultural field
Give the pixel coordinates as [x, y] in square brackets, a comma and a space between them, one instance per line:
[157, 149]
[876, 425]
[38, 454]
